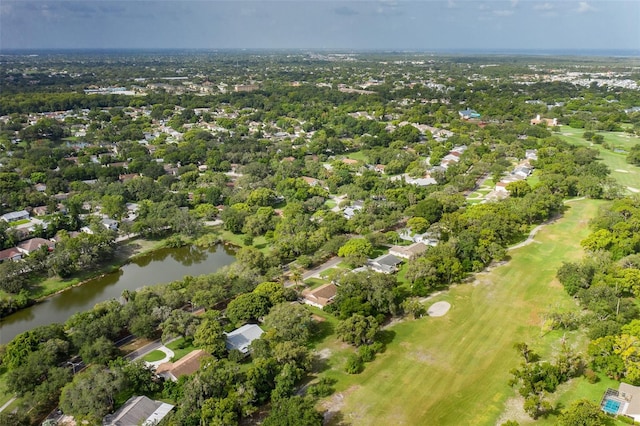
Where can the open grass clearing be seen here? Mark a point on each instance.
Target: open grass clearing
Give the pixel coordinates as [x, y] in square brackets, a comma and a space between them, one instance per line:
[454, 369]
[359, 156]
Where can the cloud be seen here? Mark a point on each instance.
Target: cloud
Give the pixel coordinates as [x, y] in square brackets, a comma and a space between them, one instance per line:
[544, 6]
[584, 7]
[345, 11]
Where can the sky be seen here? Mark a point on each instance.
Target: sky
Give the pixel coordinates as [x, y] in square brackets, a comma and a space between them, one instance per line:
[318, 24]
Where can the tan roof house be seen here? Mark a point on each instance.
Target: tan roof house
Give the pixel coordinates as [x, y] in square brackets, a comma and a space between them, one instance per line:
[187, 365]
[408, 252]
[321, 296]
[29, 246]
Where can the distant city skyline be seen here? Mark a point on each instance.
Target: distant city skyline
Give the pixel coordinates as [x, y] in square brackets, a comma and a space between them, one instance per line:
[525, 25]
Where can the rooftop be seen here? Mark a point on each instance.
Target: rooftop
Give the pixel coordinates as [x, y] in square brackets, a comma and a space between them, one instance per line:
[241, 338]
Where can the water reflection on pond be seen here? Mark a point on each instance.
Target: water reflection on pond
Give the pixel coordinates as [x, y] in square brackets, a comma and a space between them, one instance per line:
[161, 266]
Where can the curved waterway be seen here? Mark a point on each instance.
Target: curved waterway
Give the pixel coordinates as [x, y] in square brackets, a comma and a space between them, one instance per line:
[161, 266]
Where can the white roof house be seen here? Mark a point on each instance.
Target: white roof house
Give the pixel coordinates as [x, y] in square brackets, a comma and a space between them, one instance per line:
[241, 338]
[138, 410]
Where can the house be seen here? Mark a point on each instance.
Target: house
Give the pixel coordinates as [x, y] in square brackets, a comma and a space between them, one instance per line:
[387, 263]
[547, 121]
[10, 254]
[311, 181]
[522, 171]
[40, 187]
[15, 216]
[185, 366]
[466, 114]
[110, 224]
[241, 338]
[138, 410]
[351, 210]
[127, 177]
[321, 296]
[29, 246]
[245, 87]
[622, 402]
[408, 252]
[531, 154]
[40, 210]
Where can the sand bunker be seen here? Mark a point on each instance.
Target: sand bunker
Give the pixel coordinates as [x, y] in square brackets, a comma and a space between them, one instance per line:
[438, 309]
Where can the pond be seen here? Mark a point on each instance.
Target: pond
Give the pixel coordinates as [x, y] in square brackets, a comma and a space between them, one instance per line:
[161, 266]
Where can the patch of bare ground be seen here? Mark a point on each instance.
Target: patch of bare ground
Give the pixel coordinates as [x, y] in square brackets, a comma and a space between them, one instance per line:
[333, 404]
[324, 354]
[513, 410]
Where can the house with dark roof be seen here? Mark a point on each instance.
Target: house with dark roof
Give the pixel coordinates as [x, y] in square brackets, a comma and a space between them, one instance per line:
[387, 264]
[185, 366]
[321, 296]
[241, 338]
[138, 410]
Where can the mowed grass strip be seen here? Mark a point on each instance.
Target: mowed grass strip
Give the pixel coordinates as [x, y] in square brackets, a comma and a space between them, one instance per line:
[454, 370]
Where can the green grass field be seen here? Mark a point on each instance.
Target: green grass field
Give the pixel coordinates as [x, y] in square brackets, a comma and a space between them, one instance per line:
[625, 174]
[454, 370]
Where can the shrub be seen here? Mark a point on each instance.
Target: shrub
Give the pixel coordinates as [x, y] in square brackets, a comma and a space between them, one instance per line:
[323, 388]
[367, 353]
[591, 376]
[354, 364]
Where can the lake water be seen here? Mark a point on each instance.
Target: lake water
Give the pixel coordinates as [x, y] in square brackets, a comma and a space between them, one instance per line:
[161, 266]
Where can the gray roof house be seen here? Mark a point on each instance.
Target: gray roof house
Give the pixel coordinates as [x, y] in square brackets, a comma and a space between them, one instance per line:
[387, 264]
[13, 216]
[241, 338]
[138, 410]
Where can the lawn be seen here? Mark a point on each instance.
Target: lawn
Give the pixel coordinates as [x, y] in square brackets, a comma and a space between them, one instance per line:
[358, 156]
[454, 369]
[152, 356]
[238, 240]
[625, 174]
[180, 348]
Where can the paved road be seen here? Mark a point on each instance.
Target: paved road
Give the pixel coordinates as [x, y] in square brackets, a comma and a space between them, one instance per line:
[315, 273]
[7, 404]
[143, 350]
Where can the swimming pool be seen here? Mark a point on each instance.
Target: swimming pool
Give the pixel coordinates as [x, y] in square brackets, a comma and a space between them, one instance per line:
[611, 406]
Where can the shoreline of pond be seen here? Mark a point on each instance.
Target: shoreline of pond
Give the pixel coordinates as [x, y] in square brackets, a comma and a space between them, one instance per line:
[117, 264]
